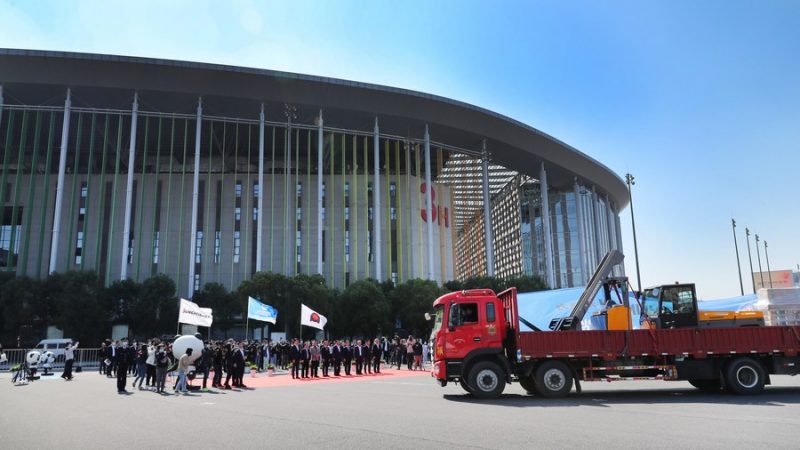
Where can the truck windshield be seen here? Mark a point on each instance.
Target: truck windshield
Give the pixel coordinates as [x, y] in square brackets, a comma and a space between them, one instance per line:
[650, 303]
[438, 314]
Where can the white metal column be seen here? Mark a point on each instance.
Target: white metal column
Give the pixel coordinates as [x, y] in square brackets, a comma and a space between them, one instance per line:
[1, 103]
[195, 195]
[320, 203]
[581, 243]
[612, 235]
[289, 243]
[619, 241]
[429, 202]
[487, 213]
[376, 201]
[260, 218]
[62, 166]
[598, 229]
[548, 237]
[126, 226]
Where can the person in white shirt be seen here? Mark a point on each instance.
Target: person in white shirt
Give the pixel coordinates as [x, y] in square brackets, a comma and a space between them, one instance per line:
[69, 358]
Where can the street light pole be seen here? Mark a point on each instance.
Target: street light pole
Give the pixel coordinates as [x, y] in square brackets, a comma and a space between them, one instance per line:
[769, 272]
[738, 264]
[760, 271]
[630, 181]
[750, 258]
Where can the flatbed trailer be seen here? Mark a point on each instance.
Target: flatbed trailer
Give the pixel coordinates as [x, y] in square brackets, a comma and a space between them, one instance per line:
[488, 350]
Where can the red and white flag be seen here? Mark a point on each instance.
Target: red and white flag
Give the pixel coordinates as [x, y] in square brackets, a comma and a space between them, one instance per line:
[311, 318]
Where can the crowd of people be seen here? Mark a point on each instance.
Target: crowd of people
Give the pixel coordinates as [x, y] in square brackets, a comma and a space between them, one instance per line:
[150, 363]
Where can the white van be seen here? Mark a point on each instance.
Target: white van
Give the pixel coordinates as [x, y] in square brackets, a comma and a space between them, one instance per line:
[57, 346]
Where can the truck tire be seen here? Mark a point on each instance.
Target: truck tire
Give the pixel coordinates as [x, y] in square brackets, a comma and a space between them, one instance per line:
[528, 384]
[744, 376]
[486, 379]
[464, 385]
[553, 379]
[711, 386]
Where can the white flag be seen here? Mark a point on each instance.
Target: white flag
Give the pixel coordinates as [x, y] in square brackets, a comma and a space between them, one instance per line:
[192, 314]
[311, 318]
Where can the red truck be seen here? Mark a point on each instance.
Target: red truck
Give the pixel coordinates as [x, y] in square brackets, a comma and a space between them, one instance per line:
[477, 342]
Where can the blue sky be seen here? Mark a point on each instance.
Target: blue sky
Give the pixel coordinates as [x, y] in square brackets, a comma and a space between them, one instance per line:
[699, 100]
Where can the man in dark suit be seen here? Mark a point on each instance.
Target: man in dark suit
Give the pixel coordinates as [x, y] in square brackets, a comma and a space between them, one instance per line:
[358, 353]
[376, 356]
[336, 352]
[238, 361]
[306, 357]
[347, 357]
[294, 357]
[123, 359]
[325, 355]
[366, 350]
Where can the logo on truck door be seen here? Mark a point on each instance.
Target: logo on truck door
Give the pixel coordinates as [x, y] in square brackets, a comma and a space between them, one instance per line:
[491, 329]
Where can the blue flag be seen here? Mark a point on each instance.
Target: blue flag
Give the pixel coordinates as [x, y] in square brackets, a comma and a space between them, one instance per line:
[259, 311]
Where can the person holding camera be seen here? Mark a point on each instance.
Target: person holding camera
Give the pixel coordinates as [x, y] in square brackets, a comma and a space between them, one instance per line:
[69, 358]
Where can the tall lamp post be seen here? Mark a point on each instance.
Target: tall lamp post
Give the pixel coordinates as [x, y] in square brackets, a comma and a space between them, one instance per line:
[769, 272]
[630, 181]
[750, 258]
[738, 264]
[760, 271]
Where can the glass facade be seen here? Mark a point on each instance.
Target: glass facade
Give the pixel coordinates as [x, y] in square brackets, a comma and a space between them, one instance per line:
[172, 169]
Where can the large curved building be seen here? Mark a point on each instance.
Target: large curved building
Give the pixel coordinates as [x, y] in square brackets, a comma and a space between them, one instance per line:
[209, 173]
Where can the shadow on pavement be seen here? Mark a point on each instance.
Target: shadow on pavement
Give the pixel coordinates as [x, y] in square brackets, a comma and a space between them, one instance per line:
[772, 396]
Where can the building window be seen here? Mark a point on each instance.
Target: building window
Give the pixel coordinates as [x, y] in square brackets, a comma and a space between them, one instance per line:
[256, 190]
[238, 189]
[198, 247]
[237, 245]
[156, 239]
[217, 245]
[197, 282]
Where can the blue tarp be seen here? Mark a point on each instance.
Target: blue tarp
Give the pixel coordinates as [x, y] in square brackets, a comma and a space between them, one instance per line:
[541, 307]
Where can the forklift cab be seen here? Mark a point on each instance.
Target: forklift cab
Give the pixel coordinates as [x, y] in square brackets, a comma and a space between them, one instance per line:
[670, 306]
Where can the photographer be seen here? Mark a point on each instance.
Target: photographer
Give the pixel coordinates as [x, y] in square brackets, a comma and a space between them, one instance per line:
[69, 358]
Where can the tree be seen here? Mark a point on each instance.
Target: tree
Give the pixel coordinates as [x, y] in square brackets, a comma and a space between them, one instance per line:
[364, 310]
[117, 299]
[525, 283]
[155, 311]
[410, 301]
[80, 313]
[273, 289]
[23, 304]
[224, 305]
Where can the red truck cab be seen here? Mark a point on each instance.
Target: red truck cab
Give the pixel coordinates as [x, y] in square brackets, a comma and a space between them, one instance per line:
[469, 338]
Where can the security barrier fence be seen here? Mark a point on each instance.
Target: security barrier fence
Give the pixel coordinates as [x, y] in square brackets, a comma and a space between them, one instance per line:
[85, 358]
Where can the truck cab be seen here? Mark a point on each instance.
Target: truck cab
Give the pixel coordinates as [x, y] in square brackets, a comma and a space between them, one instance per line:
[469, 340]
[675, 306]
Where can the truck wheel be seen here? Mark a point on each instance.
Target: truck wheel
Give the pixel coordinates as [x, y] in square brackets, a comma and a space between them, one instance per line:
[553, 379]
[487, 380]
[528, 384]
[711, 386]
[745, 376]
[464, 385]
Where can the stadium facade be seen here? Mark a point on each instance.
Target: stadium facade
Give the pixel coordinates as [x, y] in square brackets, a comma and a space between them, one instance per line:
[207, 173]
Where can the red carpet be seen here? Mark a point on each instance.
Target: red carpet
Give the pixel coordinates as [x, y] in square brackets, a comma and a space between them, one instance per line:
[285, 378]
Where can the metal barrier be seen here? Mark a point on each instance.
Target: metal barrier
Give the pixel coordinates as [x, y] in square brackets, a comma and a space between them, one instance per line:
[85, 358]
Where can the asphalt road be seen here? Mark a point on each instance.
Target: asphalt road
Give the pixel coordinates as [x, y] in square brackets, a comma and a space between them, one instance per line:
[411, 412]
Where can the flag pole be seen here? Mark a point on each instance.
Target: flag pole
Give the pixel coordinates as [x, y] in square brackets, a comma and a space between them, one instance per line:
[246, 327]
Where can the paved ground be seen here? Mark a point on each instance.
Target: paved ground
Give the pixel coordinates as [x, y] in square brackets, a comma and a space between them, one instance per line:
[393, 411]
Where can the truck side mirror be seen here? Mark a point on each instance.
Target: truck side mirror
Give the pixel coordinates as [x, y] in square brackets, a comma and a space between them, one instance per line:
[428, 317]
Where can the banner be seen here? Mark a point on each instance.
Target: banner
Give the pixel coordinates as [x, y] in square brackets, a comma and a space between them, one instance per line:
[311, 318]
[190, 313]
[259, 311]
